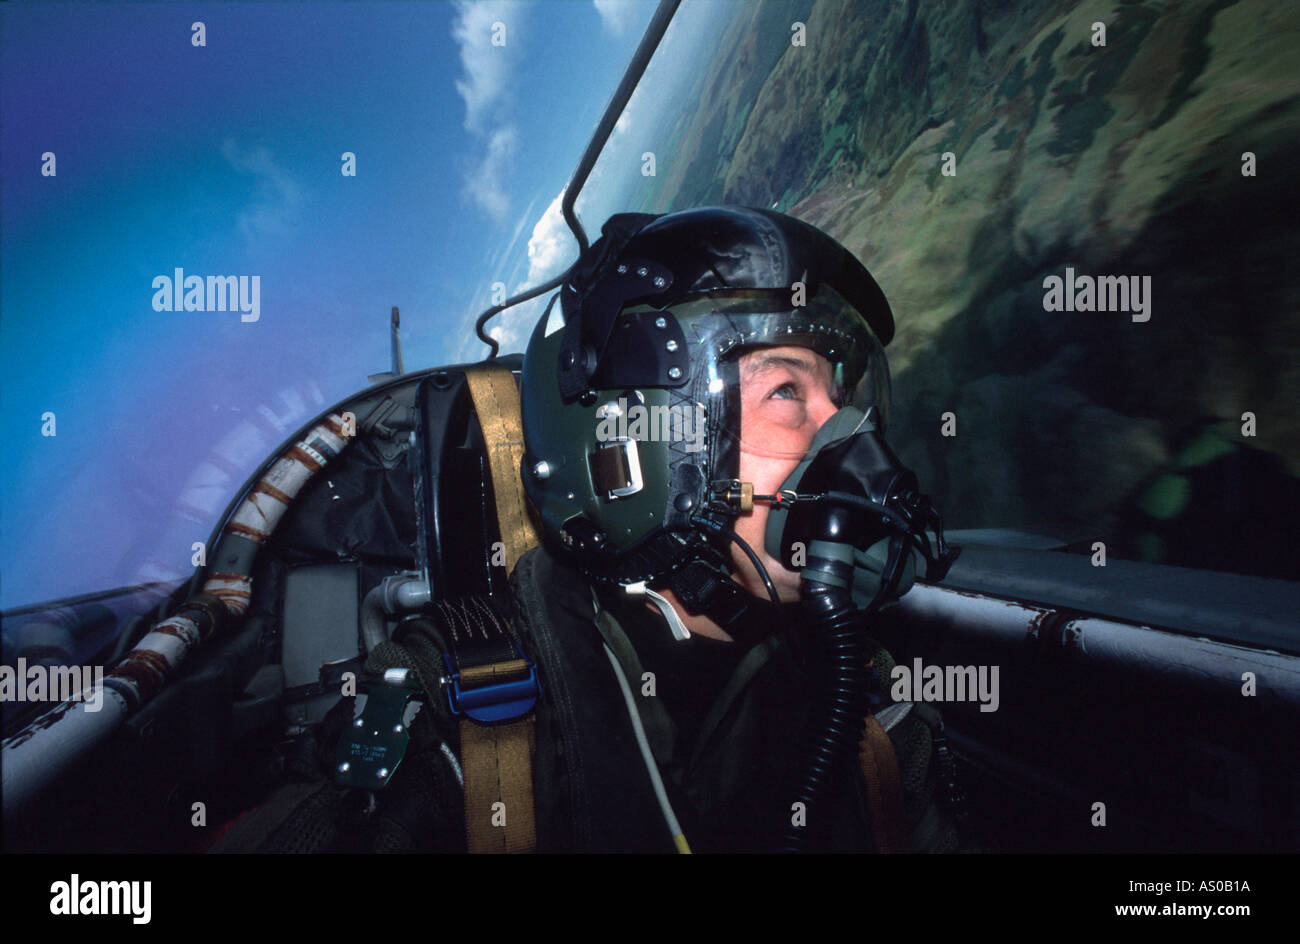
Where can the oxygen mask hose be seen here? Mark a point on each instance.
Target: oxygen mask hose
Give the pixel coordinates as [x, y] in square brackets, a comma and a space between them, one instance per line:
[850, 494]
[837, 624]
[826, 598]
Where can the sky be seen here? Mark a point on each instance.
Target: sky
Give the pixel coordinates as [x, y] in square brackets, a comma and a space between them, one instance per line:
[220, 152]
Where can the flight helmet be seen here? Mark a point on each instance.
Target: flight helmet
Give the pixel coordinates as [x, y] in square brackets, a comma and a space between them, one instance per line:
[631, 388]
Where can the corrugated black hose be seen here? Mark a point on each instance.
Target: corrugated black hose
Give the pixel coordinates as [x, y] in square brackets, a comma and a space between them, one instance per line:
[827, 600]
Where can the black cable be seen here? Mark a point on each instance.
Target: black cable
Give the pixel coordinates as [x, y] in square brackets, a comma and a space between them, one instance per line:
[758, 565]
[749, 552]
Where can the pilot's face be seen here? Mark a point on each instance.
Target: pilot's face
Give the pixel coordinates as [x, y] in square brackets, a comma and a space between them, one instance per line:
[786, 394]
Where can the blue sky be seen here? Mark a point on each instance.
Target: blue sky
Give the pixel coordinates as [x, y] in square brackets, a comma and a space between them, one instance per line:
[225, 159]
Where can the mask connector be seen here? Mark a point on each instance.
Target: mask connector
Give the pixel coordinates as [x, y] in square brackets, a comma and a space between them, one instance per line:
[732, 495]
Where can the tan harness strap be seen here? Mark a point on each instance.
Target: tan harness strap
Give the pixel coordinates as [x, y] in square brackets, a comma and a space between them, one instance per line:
[499, 786]
[498, 759]
[496, 401]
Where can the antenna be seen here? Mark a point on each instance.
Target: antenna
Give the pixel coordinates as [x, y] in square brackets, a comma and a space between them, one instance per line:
[396, 341]
[397, 344]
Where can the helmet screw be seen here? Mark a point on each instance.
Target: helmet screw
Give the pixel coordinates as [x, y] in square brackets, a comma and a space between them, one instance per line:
[381, 773]
[671, 345]
[569, 359]
[675, 373]
[684, 503]
[344, 767]
[642, 272]
[660, 281]
[542, 470]
[661, 322]
[621, 268]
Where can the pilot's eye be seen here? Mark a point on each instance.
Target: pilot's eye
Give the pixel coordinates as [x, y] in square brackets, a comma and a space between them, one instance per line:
[787, 391]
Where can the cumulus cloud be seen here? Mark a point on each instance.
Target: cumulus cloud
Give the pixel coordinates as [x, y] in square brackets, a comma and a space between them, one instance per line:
[616, 16]
[552, 246]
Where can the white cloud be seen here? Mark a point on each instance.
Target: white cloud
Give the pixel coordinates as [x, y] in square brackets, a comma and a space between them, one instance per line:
[279, 195]
[485, 85]
[486, 181]
[552, 247]
[616, 16]
[486, 67]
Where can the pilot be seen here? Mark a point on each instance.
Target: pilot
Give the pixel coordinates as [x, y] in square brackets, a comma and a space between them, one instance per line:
[706, 682]
[759, 330]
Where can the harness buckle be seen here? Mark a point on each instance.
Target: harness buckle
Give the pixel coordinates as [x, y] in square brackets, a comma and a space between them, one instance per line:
[475, 694]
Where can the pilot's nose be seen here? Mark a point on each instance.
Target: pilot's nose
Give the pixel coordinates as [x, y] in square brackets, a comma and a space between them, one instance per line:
[821, 408]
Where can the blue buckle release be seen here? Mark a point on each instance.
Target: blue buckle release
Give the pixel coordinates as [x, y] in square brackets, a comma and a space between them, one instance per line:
[495, 702]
